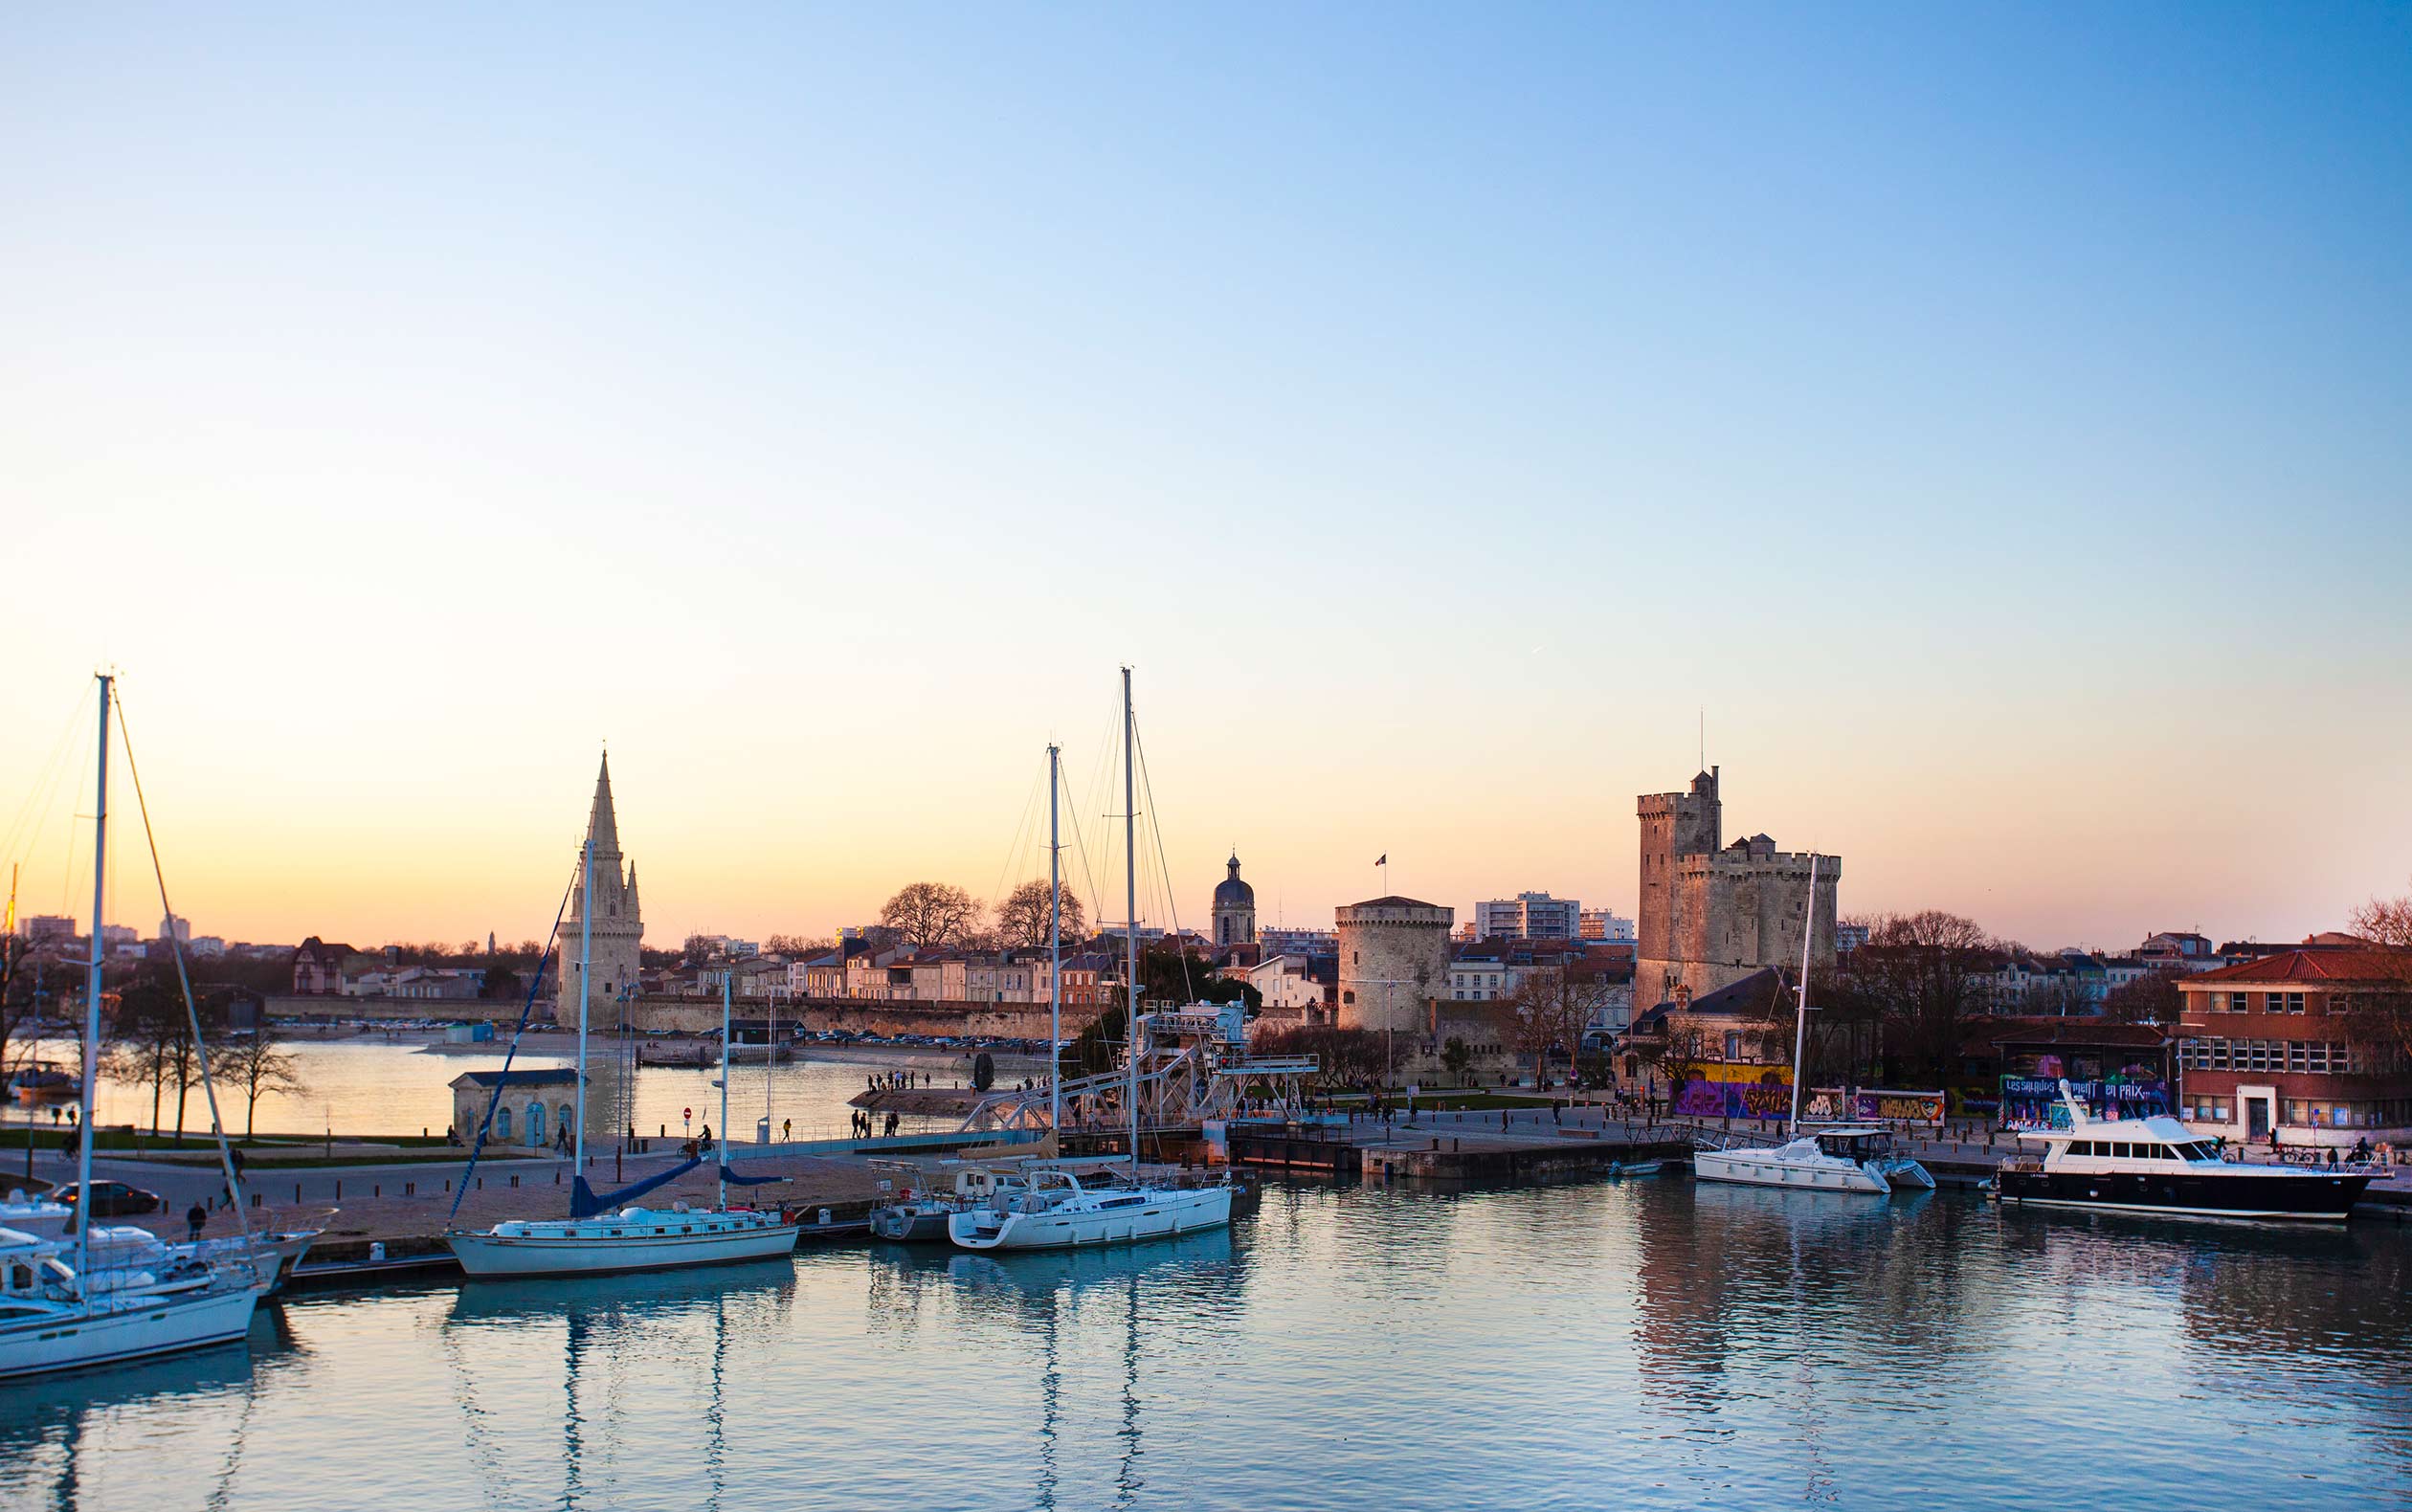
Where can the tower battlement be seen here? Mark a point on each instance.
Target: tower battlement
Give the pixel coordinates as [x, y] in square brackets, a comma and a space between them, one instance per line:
[1711, 913]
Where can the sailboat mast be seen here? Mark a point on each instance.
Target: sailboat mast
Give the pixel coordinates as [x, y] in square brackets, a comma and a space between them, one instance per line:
[586, 965]
[1800, 1004]
[92, 1001]
[720, 1158]
[1055, 961]
[1130, 916]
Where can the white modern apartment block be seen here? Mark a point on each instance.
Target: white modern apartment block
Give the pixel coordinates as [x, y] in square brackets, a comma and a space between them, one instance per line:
[1604, 924]
[1527, 915]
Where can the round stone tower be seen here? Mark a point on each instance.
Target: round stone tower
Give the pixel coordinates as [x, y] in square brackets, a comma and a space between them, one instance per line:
[1393, 959]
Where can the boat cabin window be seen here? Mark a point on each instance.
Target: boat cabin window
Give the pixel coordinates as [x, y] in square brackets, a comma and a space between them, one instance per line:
[1120, 1202]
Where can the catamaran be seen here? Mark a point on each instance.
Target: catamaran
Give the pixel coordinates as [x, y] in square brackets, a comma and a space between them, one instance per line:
[1055, 1210]
[599, 1236]
[1831, 1157]
[69, 1302]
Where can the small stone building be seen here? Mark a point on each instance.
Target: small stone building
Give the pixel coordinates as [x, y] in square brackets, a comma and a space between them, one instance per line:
[537, 1103]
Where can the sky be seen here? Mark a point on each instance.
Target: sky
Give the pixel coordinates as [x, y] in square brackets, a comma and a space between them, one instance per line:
[1993, 425]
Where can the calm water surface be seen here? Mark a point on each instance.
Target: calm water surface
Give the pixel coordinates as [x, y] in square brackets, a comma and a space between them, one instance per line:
[1648, 1345]
[367, 1085]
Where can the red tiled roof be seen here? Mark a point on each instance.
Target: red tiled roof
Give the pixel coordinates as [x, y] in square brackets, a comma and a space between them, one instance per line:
[2312, 965]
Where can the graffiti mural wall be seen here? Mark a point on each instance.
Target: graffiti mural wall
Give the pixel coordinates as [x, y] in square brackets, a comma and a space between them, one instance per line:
[1738, 1092]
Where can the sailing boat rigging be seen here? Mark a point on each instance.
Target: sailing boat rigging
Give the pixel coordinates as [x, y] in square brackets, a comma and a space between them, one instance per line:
[1838, 1156]
[598, 1237]
[61, 1305]
[1056, 1211]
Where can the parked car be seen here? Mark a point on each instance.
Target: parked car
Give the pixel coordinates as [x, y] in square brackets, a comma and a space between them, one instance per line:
[113, 1199]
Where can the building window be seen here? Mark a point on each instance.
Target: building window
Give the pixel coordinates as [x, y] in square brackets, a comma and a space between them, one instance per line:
[2296, 1060]
[2318, 1054]
[2294, 1001]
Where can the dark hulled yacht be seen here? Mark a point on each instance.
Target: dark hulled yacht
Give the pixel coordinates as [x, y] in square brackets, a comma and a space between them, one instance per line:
[2155, 1165]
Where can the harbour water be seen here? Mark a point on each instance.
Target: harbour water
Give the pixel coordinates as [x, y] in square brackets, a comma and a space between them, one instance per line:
[1652, 1344]
[369, 1086]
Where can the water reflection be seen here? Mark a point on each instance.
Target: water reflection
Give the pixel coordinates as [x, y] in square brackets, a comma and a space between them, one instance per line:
[51, 1426]
[1102, 1293]
[1654, 1344]
[616, 1334]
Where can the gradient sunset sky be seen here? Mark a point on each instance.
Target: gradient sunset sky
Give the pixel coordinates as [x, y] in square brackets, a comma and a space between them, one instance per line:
[1999, 421]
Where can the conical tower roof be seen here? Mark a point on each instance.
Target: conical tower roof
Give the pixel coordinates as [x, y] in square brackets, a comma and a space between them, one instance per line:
[602, 825]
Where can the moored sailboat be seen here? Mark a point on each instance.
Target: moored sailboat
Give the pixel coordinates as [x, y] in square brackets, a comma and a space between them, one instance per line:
[74, 1301]
[601, 1236]
[1056, 1211]
[1835, 1157]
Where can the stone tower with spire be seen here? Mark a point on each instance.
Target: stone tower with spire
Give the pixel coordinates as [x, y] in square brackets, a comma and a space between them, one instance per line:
[619, 925]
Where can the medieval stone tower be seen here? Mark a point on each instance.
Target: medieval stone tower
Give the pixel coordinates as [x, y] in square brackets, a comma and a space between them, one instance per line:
[1235, 908]
[1394, 960]
[619, 925]
[1711, 913]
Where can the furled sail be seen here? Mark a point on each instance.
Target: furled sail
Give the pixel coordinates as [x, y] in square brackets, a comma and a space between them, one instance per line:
[584, 1203]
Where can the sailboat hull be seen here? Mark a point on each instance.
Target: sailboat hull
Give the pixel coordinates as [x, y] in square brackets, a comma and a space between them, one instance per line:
[485, 1255]
[1163, 1214]
[72, 1339]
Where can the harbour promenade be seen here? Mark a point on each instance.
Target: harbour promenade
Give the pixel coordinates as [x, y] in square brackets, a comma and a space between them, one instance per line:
[404, 1206]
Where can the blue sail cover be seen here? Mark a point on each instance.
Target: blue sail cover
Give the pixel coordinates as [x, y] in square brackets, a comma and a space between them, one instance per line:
[729, 1175]
[585, 1204]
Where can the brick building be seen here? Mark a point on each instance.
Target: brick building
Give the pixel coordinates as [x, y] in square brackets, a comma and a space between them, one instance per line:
[2271, 1043]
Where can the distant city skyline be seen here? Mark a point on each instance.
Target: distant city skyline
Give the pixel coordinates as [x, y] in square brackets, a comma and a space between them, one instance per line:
[1996, 423]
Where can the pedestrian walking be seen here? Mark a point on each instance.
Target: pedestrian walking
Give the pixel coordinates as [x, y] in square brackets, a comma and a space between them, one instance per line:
[197, 1218]
[787, 1130]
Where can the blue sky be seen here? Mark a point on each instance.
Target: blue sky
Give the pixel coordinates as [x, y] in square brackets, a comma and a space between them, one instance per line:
[1997, 421]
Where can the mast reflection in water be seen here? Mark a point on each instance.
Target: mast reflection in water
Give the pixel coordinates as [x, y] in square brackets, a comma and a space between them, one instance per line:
[1650, 1344]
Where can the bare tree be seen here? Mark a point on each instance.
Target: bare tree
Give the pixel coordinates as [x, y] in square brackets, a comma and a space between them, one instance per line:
[1022, 918]
[2152, 998]
[152, 1044]
[927, 914]
[2382, 1020]
[1550, 1012]
[254, 1064]
[1925, 968]
[791, 945]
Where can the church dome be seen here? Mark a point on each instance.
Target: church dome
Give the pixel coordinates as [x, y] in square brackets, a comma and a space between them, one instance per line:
[1233, 893]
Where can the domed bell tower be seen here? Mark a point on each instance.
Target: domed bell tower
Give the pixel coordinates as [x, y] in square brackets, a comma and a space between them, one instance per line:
[1235, 908]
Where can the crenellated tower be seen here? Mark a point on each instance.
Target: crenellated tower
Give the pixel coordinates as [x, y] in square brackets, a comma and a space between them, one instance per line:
[619, 926]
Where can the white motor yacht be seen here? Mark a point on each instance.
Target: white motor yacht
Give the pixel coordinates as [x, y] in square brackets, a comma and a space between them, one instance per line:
[1057, 1213]
[1844, 1157]
[2158, 1165]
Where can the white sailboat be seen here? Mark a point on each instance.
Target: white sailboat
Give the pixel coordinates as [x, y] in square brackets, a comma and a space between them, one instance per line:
[1056, 1211]
[67, 1303]
[1835, 1157]
[597, 1238]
